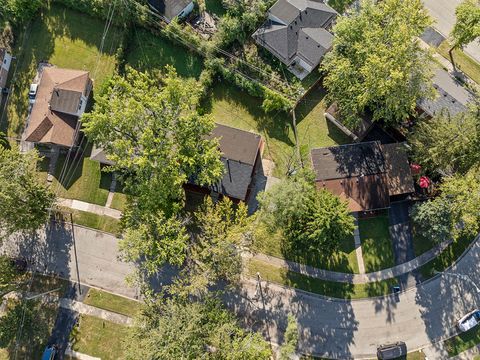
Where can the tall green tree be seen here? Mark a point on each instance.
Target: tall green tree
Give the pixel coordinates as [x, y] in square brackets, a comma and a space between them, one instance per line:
[155, 136]
[448, 144]
[467, 25]
[310, 219]
[290, 340]
[19, 11]
[432, 219]
[24, 200]
[219, 234]
[172, 329]
[377, 63]
[462, 192]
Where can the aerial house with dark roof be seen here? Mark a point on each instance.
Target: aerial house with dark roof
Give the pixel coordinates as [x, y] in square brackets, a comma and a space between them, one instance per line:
[61, 98]
[367, 175]
[241, 152]
[297, 32]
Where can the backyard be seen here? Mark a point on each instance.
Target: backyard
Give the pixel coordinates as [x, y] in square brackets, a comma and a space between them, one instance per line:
[233, 107]
[65, 38]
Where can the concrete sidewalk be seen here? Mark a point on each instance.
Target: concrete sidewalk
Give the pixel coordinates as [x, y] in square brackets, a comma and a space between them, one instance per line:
[85, 309]
[93, 208]
[355, 278]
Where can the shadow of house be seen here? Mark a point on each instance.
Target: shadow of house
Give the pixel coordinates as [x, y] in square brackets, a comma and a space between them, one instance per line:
[367, 175]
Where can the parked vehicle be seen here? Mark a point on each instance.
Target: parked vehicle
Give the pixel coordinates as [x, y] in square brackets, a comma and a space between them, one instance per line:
[392, 351]
[32, 93]
[50, 352]
[469, 321]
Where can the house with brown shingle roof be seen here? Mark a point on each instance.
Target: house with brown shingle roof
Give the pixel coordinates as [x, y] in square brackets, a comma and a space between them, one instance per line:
[61, 98]
[367, 175]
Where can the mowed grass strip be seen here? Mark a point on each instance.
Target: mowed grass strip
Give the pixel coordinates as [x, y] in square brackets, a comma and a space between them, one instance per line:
[65, 38]
[274, 244]
[107, 301]
[377, 246]
[327, 288]
[463, 341]
[99, 338]
[90, 220]
[462, 61]
[447, 257]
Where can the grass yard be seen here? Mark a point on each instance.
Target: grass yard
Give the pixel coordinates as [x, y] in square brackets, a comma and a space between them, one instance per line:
[148, 51]
[91, 220]
[98, 338]
[376, 244]
[344, 260]
[83, 179]
[65, 38]
[447, 257]
[233, 107]
[215, 7]
[421, 244]
[317, 286]
[111, 302]
[119, 201]
[463, 62]
[463, 341]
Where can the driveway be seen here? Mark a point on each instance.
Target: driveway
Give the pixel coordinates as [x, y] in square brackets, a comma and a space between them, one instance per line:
[333, 328]
[443, 12]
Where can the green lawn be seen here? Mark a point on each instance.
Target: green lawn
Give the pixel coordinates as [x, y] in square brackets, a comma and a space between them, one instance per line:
[98, 338]
[463, 62]
[83, 179]
[462, 342]
[91, 220]
[148, 52]
[233, 107]
[111, 302]
[119, 201]
[447, 257]
[314, 285]
[421, 244]
[344, 260]
[65, 38]
[376, 244]
[215, 7]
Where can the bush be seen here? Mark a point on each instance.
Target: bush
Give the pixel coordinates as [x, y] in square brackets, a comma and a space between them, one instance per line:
[274, 101]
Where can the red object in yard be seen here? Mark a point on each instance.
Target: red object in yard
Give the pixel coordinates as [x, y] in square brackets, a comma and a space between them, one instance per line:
[424, 182]
[415, 168]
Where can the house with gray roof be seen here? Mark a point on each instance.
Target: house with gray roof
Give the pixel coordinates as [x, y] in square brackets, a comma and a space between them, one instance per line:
[450, 95]
[170, 9]
[297, 32]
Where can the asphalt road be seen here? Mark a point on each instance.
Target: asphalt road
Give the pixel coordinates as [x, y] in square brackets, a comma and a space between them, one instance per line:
[443, 12]
[333, 328]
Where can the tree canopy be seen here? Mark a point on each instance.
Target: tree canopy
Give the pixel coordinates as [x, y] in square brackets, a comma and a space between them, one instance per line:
[155, 136]
[432, 219]
[310, 219]
[467, 25]
[171, 329]
[376, 62]
[448, 144]
[24, 200]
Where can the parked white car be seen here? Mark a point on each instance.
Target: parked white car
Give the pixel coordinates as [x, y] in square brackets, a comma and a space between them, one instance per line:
[469, 321]
[32, 93]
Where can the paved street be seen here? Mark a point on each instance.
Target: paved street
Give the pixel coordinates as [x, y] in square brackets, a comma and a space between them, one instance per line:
[443, 12]
[333, 328]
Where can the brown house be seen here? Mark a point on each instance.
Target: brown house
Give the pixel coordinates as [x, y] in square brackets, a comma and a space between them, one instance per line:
[368, 175]
[61, 98]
